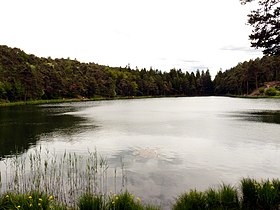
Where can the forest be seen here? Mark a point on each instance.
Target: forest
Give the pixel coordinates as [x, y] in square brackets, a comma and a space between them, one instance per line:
[249, 76]
[26, 77]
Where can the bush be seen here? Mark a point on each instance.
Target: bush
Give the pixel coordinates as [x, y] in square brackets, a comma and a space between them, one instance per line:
[271, 91]
[261, 90]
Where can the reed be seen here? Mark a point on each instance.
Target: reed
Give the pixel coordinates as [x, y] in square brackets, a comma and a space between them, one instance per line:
[45, 180]
[65, 176]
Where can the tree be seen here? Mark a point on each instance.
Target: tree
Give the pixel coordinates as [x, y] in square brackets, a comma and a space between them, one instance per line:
[266, 23]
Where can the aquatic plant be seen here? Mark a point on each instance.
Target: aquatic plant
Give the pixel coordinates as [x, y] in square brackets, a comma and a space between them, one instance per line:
[45, 180]
[66, 176]
[191, 200]
[31, 201]
[91, 202]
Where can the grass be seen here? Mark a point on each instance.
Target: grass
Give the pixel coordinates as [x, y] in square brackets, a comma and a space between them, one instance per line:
[191, 200]
[91, 202]
[44, 180]
[65, 177]
[260, 195]
[64, 100]
[36, 200]
[31, 201]
[250, 195]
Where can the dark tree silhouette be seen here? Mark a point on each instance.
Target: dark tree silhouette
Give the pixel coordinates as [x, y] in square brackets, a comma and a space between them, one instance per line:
[266, 26]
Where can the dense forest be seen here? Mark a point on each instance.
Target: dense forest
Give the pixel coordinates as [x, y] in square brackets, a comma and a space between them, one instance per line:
[249, 76]
[27, 77]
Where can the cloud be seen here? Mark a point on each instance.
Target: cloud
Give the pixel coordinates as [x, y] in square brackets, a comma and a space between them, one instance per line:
[198, 67]
[188, 61]
[240, 48]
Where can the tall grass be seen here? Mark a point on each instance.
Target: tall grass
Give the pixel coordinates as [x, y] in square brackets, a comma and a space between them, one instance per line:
[260, 195]
[65, 177]
[44, 180]
[251, 195]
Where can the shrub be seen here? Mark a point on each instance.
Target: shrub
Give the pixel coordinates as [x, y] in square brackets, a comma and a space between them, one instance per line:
[271, 91]
[261, 90]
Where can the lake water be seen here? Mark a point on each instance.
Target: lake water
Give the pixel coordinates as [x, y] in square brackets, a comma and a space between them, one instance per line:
[167, 145]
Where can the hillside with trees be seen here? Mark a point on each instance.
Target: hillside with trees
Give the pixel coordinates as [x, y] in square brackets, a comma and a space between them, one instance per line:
[27, 77]
[248, 77]
[260, 76]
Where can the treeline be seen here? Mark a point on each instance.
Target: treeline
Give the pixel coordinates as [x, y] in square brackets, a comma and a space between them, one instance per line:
[248, 76]
[27, 77]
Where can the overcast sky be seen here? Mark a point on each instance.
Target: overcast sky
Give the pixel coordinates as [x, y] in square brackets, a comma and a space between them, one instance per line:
[164, 34]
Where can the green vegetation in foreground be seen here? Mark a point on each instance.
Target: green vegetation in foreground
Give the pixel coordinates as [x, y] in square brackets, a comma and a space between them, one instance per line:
[37, 200]
[43, 180]
[250, 195]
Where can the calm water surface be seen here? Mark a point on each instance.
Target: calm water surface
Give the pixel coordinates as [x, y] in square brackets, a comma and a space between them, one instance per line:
[167, 145]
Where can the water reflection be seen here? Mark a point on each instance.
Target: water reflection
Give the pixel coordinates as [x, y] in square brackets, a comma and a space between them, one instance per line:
[264, 116]
[167, 145]
[22, 126]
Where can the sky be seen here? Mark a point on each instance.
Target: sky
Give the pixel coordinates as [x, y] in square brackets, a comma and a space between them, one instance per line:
[162, 34]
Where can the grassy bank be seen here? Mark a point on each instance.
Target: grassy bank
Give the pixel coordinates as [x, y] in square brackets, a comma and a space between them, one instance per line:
[65, 100]
[37, 200]
[253, 97]
[43, 180]
[251, 194]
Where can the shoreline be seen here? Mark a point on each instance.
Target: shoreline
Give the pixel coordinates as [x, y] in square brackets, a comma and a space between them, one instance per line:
[100, 98]
[67, 100]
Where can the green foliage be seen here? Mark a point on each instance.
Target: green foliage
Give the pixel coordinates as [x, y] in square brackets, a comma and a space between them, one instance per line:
[91, 202]
[26, 77]
[31, 201]
[212, 198]
[267, 195]
[265, 23]
[247, 76]
[271, 91]
[191, 200]
[124, 201]
[260, 195]
[261, 90]
[249, 189]
[228, 197]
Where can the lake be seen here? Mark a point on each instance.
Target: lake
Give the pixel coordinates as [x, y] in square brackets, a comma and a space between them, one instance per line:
[166, 145]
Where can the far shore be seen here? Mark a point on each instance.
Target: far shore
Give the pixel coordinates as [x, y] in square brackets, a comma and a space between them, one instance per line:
[100, 98]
